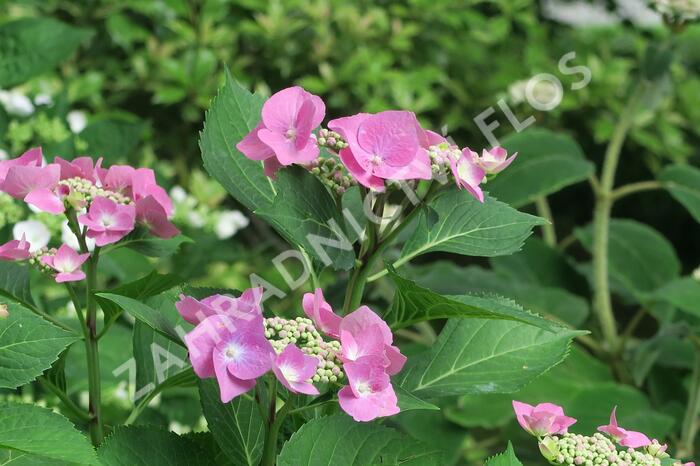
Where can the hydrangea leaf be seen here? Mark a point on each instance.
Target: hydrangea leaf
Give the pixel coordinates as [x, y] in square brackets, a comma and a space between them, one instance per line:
[238, 427]
[683, 182]
[547, 162]
[507, 458]
[150, 446]
[39, 431]
[28, 345]
[409, 402]
[467, 227]
[14, 282]
[340, 441]
[484, 356]
[683, 293]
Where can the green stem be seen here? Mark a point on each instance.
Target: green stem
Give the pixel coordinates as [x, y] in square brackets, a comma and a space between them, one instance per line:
[548, 232]
[274, 422]
[601, 225]
[632, 188]
[690, 421]
[78, 309]
[93, 358]
[65, 399]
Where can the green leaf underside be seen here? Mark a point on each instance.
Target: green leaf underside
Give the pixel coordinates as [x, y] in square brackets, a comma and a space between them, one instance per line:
[31, 46]
[413, 303]
[339, 441]
[36, 430]
[233, 114]
[304, 211]
[145, 314]
[640, 258]
[237, 427]
[484, 356]
[150, 446]
[546, 163]
[683, 182]
[28, 345]
[467, 227]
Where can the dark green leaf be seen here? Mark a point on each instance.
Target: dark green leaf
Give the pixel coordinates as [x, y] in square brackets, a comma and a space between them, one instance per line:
[683, 182]
[683, 293]
[409, 402]
[149, 446]
[113, 139]
[14, 282]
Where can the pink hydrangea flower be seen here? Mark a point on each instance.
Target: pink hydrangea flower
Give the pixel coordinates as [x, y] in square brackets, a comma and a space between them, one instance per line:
[626, 438]
[235, 351]
[80, 167]
[369, 393]
[494, 160]
[247, 306]
[543, 419]
[107, 221]
[467, 173]
[154, 216]
[15, 250]
[318, 310]
[35, 185]
[383, 146]
[67, 263]
[284, 136]
[32, 158]
[294, 369]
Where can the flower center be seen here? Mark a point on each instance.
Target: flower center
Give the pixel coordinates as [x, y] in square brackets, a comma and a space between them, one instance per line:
[375, 160]
[291, 134]
[107, 221]
[289, 373]
[233, 352]
[363, 388]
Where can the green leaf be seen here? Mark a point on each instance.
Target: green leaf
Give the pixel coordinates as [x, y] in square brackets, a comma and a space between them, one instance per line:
[448, 278]
[409, 402]
[149, 446]
[32, 46]
[151, 246]
[640, 258]
[113, 139]
[683, 182]
[467, 227]
[339, 441]
[35, 430]
[237, 426]
[28, 345]
[14, 282]
[683, 293]
[413, 303]
[487, 411]
[233, 114]
[484, 356]
[306, 215]
[546, 163]
[507, 458]
[145, 314]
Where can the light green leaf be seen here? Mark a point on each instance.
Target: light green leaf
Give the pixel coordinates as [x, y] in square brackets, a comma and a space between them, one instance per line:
[151, 246]
[683, 293]
[238, 427]
[413, 303]
[339, 441]
[467, 227]
[31, 46]
[28, 345]
[546, 163]
[640, 258]
[306, 215]
[14, 282]
[36, 430]
[233, 113]
[145, 314]
[683, 182]
[507, 458]
[149, 446]
[409, 402]
[484, 356]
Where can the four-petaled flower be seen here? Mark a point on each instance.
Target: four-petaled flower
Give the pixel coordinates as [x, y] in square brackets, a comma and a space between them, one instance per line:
[107, 222]
[543, 419]
[15, 250]
[493, 161]
[294, 369]
[67, 263]
[626, 438]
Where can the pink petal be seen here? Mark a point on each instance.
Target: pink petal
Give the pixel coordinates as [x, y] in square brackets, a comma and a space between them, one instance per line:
[252, 147]
[321, 313]
[271, 166]
[364, 409]
[293, 369]
[22, 180]
[391, 135]
[192, 310]
[362, 318]
[246, 353]
[154, 216]
[521, 411]
[369, 343]
[286, 150]
[279, 112]
[396, 360]
[229, 385]
[33, 157]
[633, 439]
[363, 176]
[15, 250]
[45, 200]
[76, 276]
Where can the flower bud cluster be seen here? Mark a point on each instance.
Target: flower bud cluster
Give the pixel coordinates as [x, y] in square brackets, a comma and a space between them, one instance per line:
[302, 333]
[440, 156]
[331, 140]
[36, 258]
[332, 174]
[596, 450]
[83, 191]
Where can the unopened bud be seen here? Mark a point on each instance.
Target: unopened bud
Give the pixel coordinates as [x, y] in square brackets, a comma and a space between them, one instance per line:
[549, 448]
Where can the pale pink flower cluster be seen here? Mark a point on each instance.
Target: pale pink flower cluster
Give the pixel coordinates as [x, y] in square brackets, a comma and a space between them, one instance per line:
[229, 343]
[381, 147]
[111, 202]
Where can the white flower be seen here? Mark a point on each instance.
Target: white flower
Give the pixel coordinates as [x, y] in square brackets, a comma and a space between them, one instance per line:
[696, 274]
[16, 103]
[195, 219]
[229, 222]
[67, 237]
[178, 194]
[43, 99]
[178, 428]
[4, 155]
[34, 231]
[77, 120]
